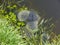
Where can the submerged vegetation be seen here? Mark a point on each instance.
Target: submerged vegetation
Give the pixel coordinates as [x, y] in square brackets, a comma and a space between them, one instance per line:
[18, 26]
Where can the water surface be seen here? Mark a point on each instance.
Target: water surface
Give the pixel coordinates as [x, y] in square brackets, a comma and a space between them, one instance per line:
[51, 8]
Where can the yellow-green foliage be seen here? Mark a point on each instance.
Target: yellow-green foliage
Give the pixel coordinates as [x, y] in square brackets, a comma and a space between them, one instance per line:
[11, 16]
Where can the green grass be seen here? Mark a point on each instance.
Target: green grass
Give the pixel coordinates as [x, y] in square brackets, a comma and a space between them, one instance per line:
[9, 34]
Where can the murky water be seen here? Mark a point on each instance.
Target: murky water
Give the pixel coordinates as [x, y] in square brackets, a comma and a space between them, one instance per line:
[51, 8]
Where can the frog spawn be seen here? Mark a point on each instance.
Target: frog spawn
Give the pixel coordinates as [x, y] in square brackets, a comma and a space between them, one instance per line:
[31, 18]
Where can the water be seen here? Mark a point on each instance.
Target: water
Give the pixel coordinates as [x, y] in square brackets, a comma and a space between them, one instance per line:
[50, 7]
